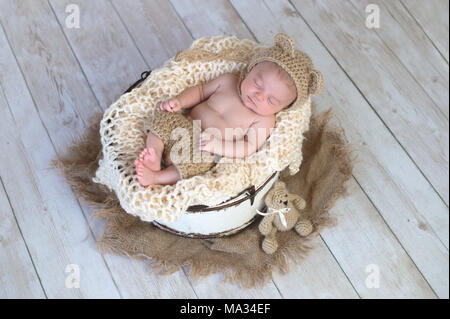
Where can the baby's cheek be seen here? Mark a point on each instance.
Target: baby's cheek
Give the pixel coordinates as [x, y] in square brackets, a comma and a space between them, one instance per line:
[245, 86]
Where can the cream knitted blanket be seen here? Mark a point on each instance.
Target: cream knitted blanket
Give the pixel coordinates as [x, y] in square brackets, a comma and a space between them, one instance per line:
[123, 137]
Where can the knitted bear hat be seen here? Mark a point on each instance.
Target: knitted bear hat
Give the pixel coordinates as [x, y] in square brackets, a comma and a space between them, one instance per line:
[297, 64]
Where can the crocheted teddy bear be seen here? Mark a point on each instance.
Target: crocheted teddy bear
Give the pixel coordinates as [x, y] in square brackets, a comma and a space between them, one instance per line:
[282, 215]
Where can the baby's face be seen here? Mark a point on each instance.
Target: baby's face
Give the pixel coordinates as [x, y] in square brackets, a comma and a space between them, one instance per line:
[264, 92]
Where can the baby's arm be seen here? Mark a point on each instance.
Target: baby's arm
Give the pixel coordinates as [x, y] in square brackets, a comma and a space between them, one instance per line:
[193, 95]
[256, 136]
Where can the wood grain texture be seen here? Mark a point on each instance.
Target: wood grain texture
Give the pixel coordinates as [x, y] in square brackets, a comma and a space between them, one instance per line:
[316, 266]
[103, 48]
[387, 85]
[431, 16]
[362, 242]
[18, 277]
[155, 28]
[400, 33]
[49, 217]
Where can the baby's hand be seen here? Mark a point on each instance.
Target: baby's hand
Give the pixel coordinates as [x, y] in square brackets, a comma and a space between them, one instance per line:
[170, 105]
[208, 142]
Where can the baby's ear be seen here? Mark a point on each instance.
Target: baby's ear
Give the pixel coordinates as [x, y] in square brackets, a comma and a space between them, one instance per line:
[315, 82]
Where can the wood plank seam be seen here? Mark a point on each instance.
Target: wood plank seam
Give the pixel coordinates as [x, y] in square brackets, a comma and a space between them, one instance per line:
[75, 56]
[21, 234]
[437, 108]
[426, 33]
[189, 281]
[398, 241]
[337, 261]
[398, 122]
[372, 107]
[53, 146]
[128, 31]
[174, 9]
[84, 213]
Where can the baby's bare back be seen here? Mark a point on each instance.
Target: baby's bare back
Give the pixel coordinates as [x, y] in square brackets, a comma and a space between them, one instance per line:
[224, 109]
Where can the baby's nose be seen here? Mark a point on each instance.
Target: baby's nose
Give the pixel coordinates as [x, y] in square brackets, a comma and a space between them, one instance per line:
[259, 95]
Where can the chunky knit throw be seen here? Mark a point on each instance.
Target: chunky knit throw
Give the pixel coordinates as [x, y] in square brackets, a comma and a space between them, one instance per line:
[123, 136]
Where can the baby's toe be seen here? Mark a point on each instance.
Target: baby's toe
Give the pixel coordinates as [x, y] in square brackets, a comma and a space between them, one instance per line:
[143, 153]
[149, 155]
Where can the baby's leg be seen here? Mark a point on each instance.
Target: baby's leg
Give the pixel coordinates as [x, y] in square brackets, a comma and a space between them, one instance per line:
[168, 176]
[151, 156]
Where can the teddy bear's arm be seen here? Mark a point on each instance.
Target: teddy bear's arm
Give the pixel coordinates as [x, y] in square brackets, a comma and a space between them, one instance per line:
[299, 202]
[265, 227]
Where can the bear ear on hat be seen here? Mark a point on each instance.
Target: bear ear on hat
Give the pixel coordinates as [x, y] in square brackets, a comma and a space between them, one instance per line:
[285, 42]
[315, 82]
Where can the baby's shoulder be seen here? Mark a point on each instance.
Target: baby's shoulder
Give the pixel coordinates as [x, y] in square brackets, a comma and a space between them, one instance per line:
[229, 79]
[264, 121]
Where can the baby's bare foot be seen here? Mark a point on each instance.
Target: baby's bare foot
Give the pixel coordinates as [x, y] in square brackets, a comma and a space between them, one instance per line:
[150, 159]
[145, 176]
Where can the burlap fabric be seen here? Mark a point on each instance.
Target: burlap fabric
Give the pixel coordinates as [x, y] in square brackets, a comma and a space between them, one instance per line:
[327, 164]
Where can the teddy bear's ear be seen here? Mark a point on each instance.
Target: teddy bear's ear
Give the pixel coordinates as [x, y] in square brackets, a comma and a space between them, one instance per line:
[285, 42]
[280, 185]
[315, 82]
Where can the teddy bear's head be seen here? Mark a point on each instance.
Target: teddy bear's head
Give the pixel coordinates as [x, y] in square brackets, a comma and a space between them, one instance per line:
[278, 196]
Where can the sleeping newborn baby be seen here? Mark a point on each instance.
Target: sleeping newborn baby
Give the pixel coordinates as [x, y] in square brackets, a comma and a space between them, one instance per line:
[236, 116]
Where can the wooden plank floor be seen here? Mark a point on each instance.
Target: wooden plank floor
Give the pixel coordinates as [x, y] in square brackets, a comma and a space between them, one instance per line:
[389, 87]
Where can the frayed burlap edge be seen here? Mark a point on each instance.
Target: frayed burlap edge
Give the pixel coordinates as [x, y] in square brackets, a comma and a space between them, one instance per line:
[325, 168]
